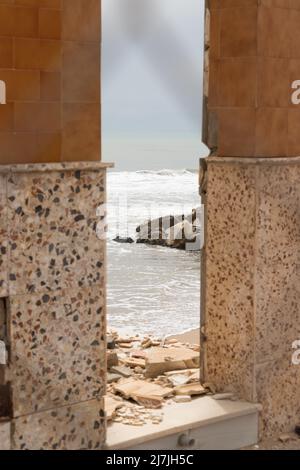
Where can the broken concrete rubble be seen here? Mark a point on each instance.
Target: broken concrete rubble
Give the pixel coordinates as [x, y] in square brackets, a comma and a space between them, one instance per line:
[112, 359]
[160, 360]
[111, 378]
[111, 405]
[134, 362]
[122, 371]
[182, 398]
[150, 374]
[190, 389]
[143, 392]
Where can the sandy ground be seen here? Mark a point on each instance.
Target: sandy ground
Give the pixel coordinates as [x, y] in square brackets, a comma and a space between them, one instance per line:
[275, 444]
[190, 336]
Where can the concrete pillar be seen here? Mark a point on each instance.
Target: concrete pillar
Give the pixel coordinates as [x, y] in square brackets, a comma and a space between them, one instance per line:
[53, 289]
[251, 262]
[52, 263]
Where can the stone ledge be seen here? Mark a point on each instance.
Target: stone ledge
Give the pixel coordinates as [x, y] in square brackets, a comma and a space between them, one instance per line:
[180, 417]
[49, 167]
[254, 160]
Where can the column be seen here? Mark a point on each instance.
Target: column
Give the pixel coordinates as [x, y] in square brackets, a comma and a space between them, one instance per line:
[252, 294]
[53, 273]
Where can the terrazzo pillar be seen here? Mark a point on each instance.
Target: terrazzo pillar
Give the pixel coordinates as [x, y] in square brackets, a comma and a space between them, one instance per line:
[251, 314]
[52, 251]
[53, 284]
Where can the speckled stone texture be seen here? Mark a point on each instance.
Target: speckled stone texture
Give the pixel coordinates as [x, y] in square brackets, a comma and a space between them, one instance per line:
[5, 442]
[77, 427]
[58, 348]
[3, 238]
[52, 241]
[252, 265]
[53, 272]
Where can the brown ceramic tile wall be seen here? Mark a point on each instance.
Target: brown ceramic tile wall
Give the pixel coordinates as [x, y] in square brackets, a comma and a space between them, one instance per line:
[50, 62]
[254, 58]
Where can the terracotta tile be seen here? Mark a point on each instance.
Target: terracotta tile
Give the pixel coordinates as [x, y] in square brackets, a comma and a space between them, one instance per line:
[273, 82]
[37, 80]
[38, 117]
[25, 147]
[271, 132]
[237, 131]
[294, 132]
[6, 52]
[212, 128]
[40, 3]
[237, 82]
[295, 33]
[49, 24]
[38, 54]
[237, 3]
[214, 81]
[21, 85]
[295, 4]
[27, 53]
[81, 20]
[50, 55]
[294, 75]
[7, 117]
[276, 3]
[81, 132]
[7, 19]
[273, 32]
[49, 147]
[215, 34]
[81, 72]
[243, 21]
[18, 148]
[50, 86]
[7, 154]
[26, 22]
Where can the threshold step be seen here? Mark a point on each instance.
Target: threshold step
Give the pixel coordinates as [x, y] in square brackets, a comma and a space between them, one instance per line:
[202, 424]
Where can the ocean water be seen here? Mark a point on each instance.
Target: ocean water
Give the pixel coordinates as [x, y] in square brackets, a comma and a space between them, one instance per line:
[151, 290]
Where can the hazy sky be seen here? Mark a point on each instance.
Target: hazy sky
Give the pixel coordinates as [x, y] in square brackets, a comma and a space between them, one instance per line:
[152, 60]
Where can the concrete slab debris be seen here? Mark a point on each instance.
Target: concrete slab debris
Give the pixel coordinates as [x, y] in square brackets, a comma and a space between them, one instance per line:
[145, 374]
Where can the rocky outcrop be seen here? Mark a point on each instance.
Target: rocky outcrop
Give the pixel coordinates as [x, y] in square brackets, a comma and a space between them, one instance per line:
[174, 231]
[180, 232]
[152, 373]
[119, 239]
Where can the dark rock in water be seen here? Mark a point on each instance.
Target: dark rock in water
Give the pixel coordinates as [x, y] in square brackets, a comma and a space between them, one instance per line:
[123, 240]
[161, 224]
[180, 232]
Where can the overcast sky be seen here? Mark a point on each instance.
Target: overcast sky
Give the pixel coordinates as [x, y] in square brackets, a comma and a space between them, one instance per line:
[152, 60]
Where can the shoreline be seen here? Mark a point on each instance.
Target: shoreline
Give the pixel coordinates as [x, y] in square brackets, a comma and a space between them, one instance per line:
[191, 336]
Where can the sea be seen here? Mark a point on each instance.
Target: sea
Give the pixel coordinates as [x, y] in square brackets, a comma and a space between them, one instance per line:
[151, 290]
